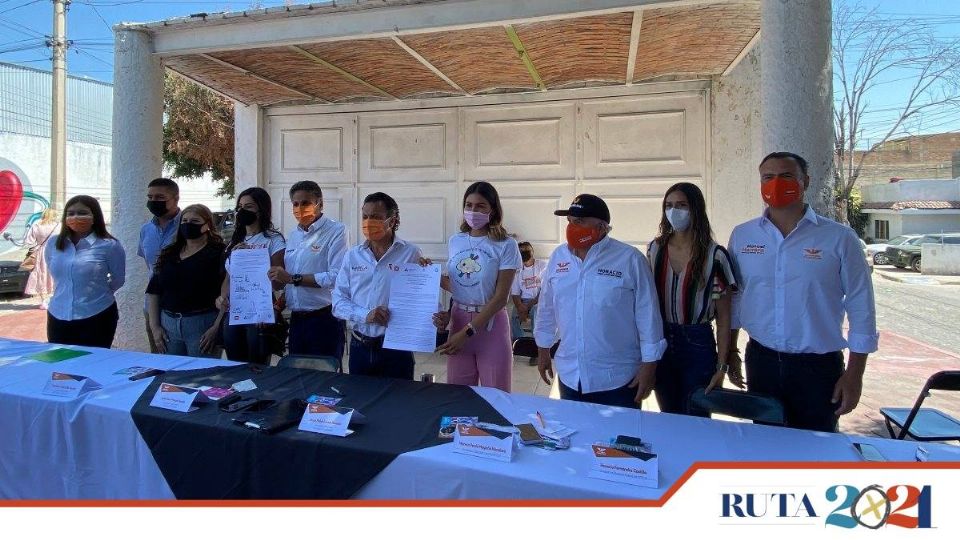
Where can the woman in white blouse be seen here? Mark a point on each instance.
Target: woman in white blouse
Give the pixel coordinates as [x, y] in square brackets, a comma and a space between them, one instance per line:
[88, 266]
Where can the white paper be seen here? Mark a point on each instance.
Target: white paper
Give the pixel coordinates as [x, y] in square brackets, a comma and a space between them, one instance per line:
[251, 296]
[177, 398]
[323, 419]
[67, 385]
[625, 468]
[475, 441]
[414, 296]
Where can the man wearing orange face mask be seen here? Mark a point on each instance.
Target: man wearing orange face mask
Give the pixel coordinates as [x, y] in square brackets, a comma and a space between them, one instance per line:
[801, 273]
[599, 299]
[363, 290]
[314, 254]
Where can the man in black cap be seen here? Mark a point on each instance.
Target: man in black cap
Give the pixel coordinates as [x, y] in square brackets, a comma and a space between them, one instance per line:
[598, 298]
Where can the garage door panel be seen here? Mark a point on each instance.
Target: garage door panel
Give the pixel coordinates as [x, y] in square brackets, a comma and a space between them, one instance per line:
[408, 147]
[520, 142]
[316, 147]
[528, 211]
[653, 136]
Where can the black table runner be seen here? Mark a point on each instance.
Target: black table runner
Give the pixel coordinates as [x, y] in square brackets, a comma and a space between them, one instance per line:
[204, 455]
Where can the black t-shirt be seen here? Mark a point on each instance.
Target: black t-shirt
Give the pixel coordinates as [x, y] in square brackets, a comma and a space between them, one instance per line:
[191, 284]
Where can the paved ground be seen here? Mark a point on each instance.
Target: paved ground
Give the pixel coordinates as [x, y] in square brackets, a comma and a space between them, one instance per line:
[919, 335]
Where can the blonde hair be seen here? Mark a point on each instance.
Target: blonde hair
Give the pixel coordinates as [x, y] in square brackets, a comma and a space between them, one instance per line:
[49, 215]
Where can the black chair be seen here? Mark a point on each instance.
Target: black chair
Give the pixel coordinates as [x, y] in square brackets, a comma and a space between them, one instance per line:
[739, 404]
[306, 361]
[527, 347]
[925, 424]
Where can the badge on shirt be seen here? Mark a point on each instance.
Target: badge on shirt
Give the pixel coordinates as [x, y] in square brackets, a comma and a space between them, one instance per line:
[813, 254]
[753, 249]
[563, 267]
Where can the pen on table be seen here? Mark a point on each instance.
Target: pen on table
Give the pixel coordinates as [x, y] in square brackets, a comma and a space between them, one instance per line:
[540, 417]
[334, 388]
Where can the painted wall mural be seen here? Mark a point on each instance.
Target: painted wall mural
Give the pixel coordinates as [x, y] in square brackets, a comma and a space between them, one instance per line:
[19, 207]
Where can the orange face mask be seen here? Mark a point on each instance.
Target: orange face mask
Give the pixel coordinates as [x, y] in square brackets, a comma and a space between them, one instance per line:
[580, 237]
[80, 224]
[779, 192]
[374, 229]
[305, 214]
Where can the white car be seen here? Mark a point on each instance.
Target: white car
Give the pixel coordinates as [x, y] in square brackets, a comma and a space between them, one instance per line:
[876, 252]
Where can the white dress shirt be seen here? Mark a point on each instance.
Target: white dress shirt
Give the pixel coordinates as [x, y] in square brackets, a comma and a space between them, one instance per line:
[86, 276]
[794, 291]
[319, 251]
[604, 310]
[364, 283]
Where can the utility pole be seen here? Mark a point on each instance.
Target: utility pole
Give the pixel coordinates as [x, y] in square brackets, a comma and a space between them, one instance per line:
[58, 118]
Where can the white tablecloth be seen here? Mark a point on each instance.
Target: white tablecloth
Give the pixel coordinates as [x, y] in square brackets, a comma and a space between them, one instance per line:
[89, 448]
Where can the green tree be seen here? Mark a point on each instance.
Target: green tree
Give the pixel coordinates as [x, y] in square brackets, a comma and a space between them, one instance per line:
[197, 132]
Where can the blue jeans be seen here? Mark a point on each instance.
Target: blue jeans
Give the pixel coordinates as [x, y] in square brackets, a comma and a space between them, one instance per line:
[375, 361]
[515, 331]
[688, 363]
[184, 333]
[618, 397]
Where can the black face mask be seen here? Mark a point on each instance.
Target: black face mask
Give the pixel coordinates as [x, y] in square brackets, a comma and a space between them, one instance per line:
[246, 217]
[526, 255]
[157, 208]
[191, 231]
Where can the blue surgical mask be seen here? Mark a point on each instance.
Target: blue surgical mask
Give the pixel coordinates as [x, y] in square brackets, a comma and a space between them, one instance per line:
[679, 218]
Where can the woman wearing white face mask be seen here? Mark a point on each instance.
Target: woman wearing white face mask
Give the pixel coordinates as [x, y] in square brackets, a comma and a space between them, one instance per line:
[694, 279]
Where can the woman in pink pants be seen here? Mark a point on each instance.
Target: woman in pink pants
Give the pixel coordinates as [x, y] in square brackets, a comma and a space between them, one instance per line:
[482, 263]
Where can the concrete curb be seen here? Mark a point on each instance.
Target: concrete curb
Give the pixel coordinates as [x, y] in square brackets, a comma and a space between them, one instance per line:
[918, 279]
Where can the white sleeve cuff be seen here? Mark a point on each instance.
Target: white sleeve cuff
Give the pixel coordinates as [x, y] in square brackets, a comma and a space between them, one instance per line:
[651, 352]
[360, 314]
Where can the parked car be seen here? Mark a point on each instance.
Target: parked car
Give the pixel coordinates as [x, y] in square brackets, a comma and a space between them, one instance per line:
[867, 257]
[908, 254]
[225, 223]
[878, 252]
[12, 279]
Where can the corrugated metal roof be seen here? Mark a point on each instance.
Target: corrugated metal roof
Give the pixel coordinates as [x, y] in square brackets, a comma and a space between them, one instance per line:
[25, 105]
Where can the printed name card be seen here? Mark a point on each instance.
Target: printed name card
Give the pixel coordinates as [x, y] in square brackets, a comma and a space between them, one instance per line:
[177, 398]
[483, 442]
[324, 419]
[69, 386]
[627, 467]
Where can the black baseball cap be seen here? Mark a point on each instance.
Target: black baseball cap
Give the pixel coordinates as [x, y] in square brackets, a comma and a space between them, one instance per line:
[586, 205]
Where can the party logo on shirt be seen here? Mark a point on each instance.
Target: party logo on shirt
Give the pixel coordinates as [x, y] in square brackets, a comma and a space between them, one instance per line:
[812, 253]
[753, 249]
[609, 273]
[316, 248]
[469, 265]
[563, 267]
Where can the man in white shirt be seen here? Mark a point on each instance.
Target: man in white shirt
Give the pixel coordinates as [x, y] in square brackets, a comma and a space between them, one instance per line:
[599, 299]
[363, 290]
[800, 273]
[525, 292]
[313, 257]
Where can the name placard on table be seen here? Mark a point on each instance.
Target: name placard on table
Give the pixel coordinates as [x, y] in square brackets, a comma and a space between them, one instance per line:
[68, 385]
[483, 442]
[326, 420]
[177, 398]
[627, 467]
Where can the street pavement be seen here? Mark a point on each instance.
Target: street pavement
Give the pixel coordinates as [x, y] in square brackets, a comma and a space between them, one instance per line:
[919, 335]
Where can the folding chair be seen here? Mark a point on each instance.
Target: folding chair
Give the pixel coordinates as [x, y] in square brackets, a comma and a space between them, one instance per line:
[925, 424]
[739, 404]
[306, 361]
[527, 347]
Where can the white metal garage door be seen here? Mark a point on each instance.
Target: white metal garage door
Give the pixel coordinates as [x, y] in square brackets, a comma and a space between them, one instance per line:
[625, 149]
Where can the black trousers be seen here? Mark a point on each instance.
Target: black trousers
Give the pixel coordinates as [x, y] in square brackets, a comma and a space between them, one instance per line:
[95, 331]
[317, 333]
[803, 382]
[375, 361]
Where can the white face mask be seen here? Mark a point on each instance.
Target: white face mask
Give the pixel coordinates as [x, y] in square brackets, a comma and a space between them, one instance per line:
[679, 218]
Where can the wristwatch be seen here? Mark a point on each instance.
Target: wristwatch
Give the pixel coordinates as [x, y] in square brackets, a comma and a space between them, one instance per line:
[296, 279]
[470, 330]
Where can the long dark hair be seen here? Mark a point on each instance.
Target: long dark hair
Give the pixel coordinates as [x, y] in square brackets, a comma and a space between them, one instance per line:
[264, 216]
[699, 226]
[99, 225]
[486, 190]
[171, 253]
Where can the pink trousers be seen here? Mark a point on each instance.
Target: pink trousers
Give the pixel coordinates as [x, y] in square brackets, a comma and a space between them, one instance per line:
[486, 358]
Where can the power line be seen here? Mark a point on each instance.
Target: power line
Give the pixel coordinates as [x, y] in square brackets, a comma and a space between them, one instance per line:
[20, 6]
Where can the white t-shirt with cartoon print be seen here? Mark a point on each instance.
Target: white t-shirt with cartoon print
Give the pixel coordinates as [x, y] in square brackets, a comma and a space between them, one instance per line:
[475, 263]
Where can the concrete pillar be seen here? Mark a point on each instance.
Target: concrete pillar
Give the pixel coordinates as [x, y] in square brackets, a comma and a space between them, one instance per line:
[137, 159]
[797, 89]
[247, 146]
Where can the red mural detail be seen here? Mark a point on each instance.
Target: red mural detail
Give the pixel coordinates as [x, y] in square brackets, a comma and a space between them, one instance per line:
[11, 195]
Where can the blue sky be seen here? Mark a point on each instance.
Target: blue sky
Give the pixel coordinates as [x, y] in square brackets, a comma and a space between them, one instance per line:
[24, 23]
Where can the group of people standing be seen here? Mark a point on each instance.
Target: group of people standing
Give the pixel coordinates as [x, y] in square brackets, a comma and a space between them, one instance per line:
[627, 324]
